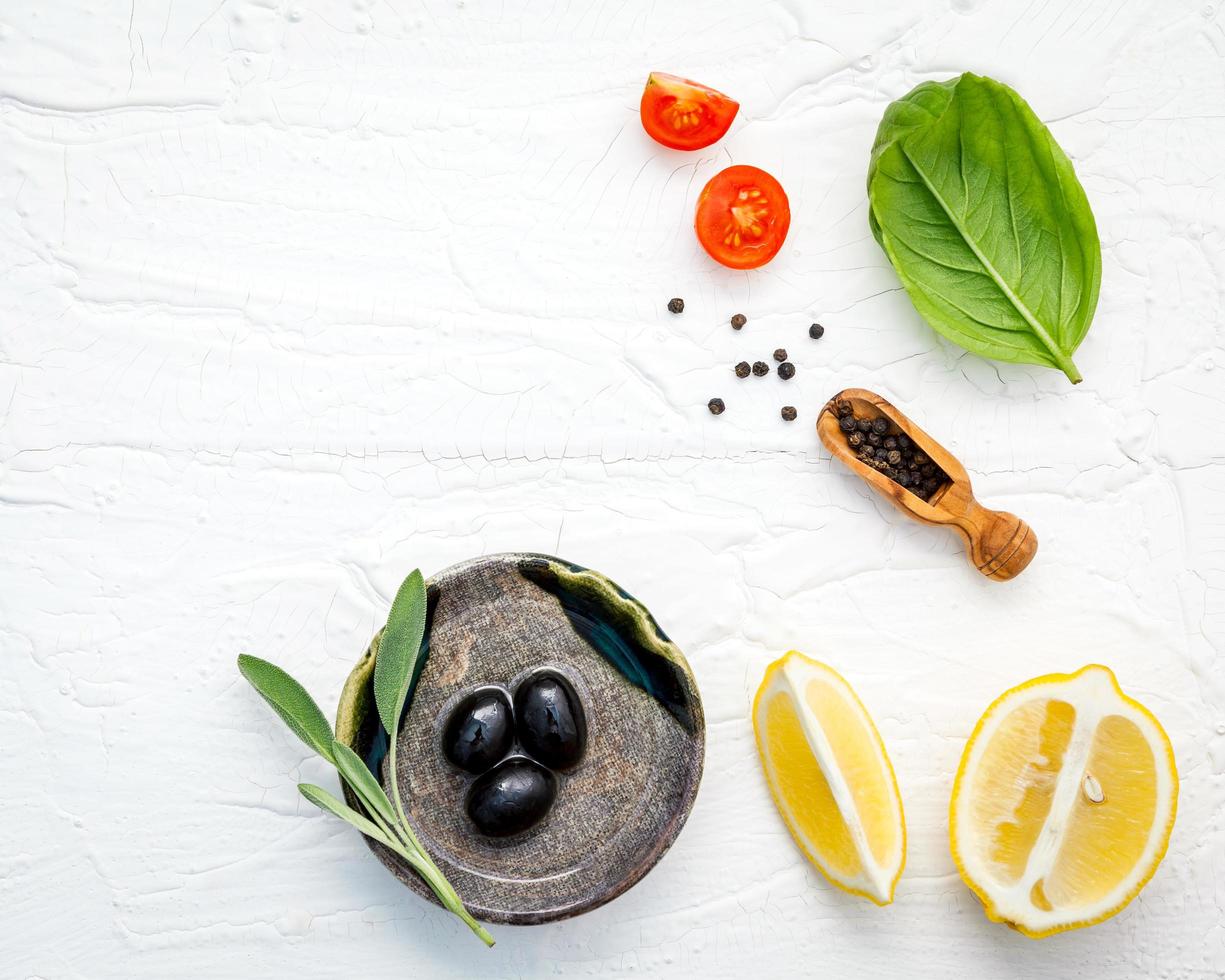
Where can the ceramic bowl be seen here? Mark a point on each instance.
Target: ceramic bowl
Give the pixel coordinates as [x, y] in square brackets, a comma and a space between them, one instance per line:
[494, 621]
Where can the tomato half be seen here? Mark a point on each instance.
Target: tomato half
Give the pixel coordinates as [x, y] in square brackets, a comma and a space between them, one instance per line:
[742, 217]
[683, 114]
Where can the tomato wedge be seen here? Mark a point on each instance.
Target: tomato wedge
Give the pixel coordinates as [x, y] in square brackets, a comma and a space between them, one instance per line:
[683, 114]
[742, 217]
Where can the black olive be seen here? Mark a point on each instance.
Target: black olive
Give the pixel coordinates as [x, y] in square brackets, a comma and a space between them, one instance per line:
[511, 797]
[480, 730]
[550, 722]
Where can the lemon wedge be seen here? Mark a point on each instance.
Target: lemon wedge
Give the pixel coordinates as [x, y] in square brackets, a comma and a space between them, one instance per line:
[1063, 804]
[831, 779]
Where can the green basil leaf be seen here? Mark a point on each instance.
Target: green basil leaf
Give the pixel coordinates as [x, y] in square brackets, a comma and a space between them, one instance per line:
[290, 700]
[326, 801]
[362, 782]
[982, 216]
[398, 651]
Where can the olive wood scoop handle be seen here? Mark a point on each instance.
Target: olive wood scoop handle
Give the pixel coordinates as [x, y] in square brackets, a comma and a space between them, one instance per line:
[999, 544]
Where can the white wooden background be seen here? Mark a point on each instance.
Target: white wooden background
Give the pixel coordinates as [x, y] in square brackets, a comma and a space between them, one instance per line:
[295, 296]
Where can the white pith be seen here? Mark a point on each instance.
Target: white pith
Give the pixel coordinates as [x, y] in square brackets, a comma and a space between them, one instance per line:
[1094, 696]
[791, 680]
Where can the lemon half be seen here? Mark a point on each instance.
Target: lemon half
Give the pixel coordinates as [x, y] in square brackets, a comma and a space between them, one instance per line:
[1063, 804]
[831, 779]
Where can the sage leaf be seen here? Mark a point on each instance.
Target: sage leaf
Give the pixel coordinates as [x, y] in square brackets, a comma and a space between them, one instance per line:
[362, 782]
[982, 216]
[398, 651]
[290, 700]
[326, 801]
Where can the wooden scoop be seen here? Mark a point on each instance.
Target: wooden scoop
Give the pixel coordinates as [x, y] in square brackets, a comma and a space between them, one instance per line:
[999, 544]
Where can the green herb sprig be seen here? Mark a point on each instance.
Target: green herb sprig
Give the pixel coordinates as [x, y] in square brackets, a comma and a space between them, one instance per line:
[985, 222]
[393, 676]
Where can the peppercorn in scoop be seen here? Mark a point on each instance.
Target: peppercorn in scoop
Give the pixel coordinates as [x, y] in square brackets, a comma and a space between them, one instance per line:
[878, 444]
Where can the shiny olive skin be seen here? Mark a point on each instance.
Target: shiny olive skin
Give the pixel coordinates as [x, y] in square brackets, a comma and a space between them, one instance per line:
[480, 731]
[549, 720]
[511, 797]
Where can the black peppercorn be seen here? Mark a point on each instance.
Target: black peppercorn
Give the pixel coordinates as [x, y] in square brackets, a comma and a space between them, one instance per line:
[743, 369]
[874, 438]
[716, 406]
[786, 370]
[903, 442]
[780, 355]
[844, 409]
[676, 305]
[816, 331]
[882, 453]
[848, 425]
[903, 478]
[891, 443]
[894, 457]
[920, 459]
[738, 321]
[761, 368]
[854, 440]
[880, 425]
[863, 425]
[788, 413]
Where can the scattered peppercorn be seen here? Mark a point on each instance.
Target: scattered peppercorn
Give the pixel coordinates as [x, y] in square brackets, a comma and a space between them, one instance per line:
[788, 413]
[816, 331]
[716, 406]
[743, 369]
[780, 355]
[676, 305]
[738, 321]
[786, 370]
[761, 368]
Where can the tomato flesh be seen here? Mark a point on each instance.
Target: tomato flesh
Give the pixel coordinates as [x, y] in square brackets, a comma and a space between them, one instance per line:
[684, 115]
[742, 217]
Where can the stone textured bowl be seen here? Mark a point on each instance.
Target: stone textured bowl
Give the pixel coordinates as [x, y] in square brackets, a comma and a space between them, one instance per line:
[494, 620]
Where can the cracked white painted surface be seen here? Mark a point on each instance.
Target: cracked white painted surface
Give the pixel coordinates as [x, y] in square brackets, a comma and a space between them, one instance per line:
[296, 296]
